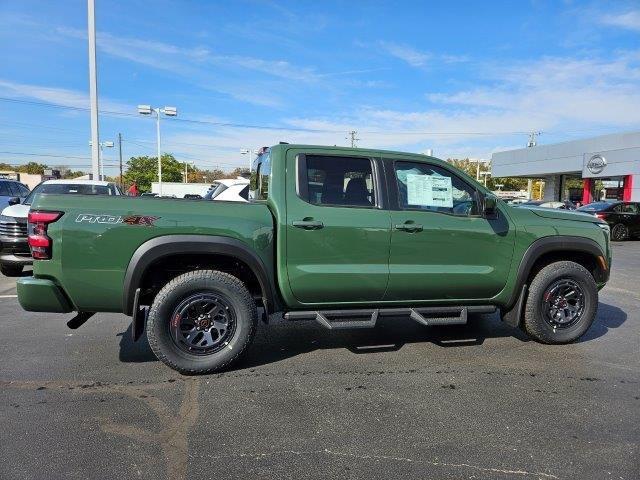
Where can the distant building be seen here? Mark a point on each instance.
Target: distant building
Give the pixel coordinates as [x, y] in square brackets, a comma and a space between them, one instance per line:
[613, 159]
[29, 179]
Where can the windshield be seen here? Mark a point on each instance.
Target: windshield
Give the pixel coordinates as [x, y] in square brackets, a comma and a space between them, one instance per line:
[596, 206]
[69, 188]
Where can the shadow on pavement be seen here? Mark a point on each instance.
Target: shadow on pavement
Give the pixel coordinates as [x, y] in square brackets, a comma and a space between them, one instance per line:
[608, 317]
[281, 339]
[135, 352]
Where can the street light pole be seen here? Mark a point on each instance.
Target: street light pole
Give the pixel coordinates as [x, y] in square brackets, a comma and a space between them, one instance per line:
[169, 112]
[249, 152]
[101, 146]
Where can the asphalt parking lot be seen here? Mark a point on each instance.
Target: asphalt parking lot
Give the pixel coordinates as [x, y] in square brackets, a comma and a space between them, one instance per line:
[401, 401]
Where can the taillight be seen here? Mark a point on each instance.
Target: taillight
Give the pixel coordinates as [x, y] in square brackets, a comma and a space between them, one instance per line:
[39, 241]
[600, 216]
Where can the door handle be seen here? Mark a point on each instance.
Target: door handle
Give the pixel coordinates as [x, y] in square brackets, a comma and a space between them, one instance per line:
[308, 224]
[409, 227]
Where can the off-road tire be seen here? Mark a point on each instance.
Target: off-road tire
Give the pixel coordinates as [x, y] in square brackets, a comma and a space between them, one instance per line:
[535, 323]
[209, 281]
[619, 232]
[11, 269]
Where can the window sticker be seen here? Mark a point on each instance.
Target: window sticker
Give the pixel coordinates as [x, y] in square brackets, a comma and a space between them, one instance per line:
[429, 191]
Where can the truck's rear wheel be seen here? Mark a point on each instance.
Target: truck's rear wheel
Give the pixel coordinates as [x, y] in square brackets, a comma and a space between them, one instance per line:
[201, 322]
[562, 303]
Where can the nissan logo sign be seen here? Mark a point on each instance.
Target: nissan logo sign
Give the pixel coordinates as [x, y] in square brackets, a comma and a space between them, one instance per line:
[596, 164]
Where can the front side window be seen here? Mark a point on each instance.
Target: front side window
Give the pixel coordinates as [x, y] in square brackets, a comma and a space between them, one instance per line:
[4, 189]
[338, 181]
[422, 186]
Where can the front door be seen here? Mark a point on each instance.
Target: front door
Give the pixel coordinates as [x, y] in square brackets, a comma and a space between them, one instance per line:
[338, 231]
[441, 245]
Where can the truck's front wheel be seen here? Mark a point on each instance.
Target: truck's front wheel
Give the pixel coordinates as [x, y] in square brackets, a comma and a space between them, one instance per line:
[201, 322]
[562, 303]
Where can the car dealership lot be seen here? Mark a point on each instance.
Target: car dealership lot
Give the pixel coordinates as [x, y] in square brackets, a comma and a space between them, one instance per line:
[478, 401]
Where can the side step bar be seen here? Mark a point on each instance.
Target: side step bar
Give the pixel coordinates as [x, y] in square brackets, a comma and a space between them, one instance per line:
[428, 316]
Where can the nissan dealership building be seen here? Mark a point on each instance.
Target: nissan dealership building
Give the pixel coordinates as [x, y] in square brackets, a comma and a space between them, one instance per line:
[612, 159]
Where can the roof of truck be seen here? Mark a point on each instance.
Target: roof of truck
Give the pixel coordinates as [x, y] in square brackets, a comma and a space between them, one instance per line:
[352, 149]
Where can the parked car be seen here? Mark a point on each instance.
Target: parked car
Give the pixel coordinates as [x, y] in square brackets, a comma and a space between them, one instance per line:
[380, 237]
[564, 205]
[229, 189]
[517, 201]
[14, 249]
[234, 193]
[623, 217]
[11, 189]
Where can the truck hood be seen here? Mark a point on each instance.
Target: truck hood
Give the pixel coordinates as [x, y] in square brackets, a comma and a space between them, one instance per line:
[565, 215]
[17, 211]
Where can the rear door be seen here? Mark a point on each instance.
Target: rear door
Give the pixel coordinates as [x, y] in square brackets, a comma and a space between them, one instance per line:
[627, 214]
[441, 246]
[338, 228]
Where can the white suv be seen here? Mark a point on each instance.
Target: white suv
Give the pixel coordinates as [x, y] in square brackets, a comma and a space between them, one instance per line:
[14, 249]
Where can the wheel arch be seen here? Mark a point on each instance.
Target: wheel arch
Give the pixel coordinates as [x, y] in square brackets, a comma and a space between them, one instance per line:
[167, 246]
[546, 250]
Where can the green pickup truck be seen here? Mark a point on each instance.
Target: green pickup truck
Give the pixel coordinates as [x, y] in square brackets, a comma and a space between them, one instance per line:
[341, 236]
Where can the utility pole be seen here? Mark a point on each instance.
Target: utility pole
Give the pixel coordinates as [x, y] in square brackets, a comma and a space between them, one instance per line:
[120, 154]
[93, 90]
[533, 139]
[352, 136]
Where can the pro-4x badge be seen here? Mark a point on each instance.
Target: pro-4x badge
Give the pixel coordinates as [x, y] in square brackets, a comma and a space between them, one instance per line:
[144, 220]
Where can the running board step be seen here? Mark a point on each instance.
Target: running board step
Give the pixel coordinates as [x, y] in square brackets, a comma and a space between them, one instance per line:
[428, 316]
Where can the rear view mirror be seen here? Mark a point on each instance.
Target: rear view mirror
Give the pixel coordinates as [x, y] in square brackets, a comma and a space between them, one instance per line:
[490, 206]
[14, 200]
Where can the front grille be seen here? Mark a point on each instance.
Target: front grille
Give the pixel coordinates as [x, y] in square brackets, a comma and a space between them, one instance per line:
[13, 229]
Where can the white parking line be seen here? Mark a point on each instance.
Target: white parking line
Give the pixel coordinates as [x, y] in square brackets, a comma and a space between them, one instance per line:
[8, 296]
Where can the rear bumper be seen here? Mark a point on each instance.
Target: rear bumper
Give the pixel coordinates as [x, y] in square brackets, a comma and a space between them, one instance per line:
[42, 295]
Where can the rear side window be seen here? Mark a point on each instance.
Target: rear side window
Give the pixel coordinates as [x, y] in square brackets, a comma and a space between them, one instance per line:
[337, 181]
[423, 186]
[626, 208]
[261, 177]
[4, 190]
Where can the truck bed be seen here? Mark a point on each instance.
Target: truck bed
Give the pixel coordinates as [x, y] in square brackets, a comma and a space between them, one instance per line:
[97, 236]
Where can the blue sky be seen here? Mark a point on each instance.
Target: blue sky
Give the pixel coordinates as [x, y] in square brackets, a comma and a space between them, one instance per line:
[462, 78]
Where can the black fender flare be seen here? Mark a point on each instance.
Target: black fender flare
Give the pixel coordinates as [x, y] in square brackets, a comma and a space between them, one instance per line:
[512, 312]
[167, 245]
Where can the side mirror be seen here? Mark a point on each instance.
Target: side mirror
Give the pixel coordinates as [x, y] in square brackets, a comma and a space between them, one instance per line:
[14, 200]
[490, 206]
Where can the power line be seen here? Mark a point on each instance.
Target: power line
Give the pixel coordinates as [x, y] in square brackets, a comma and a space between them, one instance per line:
[263, 127]
[44, 155]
